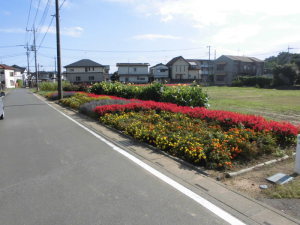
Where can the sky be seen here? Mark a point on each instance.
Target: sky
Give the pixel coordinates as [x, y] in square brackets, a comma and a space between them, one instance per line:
[146, 31]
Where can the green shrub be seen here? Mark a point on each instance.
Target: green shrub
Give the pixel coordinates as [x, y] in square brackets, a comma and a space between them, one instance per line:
[48, 86]
[252, 81]
[20, 83]
[181, 95]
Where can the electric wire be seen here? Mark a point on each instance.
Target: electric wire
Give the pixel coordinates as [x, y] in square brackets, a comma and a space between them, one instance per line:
[45, 34]
[36, 13]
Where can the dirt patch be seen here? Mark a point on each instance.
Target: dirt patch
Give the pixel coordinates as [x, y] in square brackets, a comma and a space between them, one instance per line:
[249, 183]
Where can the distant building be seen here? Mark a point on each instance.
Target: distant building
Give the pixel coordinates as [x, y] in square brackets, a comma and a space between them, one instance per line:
[228, 67]
[86, 71]
[159, 72]
[20, 73]
[183, 70]
[205, 68]
[7, 76]
[133, 72]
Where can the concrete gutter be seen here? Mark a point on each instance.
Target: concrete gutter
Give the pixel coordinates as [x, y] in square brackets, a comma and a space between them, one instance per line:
[233, 174]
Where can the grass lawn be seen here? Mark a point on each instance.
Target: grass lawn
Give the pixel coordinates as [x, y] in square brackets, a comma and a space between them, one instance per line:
[271, 103]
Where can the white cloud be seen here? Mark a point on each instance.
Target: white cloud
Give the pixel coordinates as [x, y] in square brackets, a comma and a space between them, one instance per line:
[155, 37]
[6, 13]
[237, 34]
[67, 31]
[12, 30]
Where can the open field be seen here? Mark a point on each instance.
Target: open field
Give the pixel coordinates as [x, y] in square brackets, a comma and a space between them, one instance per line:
[270, 103]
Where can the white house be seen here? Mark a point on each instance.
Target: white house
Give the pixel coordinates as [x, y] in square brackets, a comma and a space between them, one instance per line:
[7, 76]
[181, 69]
[133, 72]
[20, 73]
[159, 72]
[86, 71]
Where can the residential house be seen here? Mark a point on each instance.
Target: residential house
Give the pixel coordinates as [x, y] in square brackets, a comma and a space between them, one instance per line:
[206, 68]
[182, 70]
[228, 67]
[133, 72]
[159, 72]
[20, 73]
[7, 76]
[44, 76]
[86, 71]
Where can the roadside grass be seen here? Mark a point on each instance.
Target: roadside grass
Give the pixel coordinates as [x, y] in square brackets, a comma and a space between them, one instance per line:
[290, 190]
[271, 103]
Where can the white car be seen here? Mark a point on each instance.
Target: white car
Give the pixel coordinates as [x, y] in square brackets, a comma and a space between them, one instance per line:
[1, 106]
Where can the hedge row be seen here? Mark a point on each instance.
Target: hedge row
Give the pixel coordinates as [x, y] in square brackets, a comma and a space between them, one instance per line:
[180, 95]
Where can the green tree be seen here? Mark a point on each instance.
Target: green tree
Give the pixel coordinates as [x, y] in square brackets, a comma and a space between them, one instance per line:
[284, 75]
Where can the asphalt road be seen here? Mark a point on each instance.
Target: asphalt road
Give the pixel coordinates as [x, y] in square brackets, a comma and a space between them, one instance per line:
[53, 172]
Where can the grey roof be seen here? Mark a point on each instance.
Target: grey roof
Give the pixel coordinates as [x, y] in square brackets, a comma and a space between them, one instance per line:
[133, 64]
[159, 64]
[84, 63]
[19, 68]
[243, 58]
[172, 61]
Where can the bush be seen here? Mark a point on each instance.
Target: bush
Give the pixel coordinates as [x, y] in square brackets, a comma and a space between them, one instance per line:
[48, 86]
[78, 99]
[20, 83]
[252, 81]
[76, 87]
[54, 95]
[181, 95]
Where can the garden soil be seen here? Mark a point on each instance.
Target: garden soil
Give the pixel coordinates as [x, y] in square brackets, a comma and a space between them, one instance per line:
[249, 183]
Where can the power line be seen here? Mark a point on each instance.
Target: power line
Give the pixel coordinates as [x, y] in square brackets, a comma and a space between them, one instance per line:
[125, 51]
[46, 33]
[29, 14]
[36, 13]
[45, 13]
[61, 5]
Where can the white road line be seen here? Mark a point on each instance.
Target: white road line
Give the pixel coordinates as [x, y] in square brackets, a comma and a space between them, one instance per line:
[203, 202]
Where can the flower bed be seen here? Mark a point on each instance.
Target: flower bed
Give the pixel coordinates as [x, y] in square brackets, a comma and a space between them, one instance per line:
[285, 132]
[212, 138]
[192, 139]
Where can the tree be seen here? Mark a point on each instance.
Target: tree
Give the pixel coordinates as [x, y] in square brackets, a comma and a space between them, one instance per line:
[115, 77]
[284, 75]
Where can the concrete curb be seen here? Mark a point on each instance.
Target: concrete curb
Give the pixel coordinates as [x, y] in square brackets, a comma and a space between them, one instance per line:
[233, 174]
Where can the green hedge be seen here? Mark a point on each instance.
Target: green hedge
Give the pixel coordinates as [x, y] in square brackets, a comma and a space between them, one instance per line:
[252, 81]
[180, 95]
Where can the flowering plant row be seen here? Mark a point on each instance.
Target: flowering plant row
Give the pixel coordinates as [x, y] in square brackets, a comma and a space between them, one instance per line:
[181, 95]
[285, 132]
[192, 139]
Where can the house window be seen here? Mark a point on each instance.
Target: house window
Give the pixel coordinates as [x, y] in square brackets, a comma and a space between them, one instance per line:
[78, 78]
[86, 69]
[93, 68]
[71, 70]
[12, 83]
[134, 69]
[163, 70]
[91, 78]
[11, 74]
[141, 78]
[220, 67]
[220, 78]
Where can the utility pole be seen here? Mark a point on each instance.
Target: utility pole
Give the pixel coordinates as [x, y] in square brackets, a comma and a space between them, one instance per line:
[28, 67]
[35, 60]
[209, 59]
[60, 91]
[55, 75]
[289, 56]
